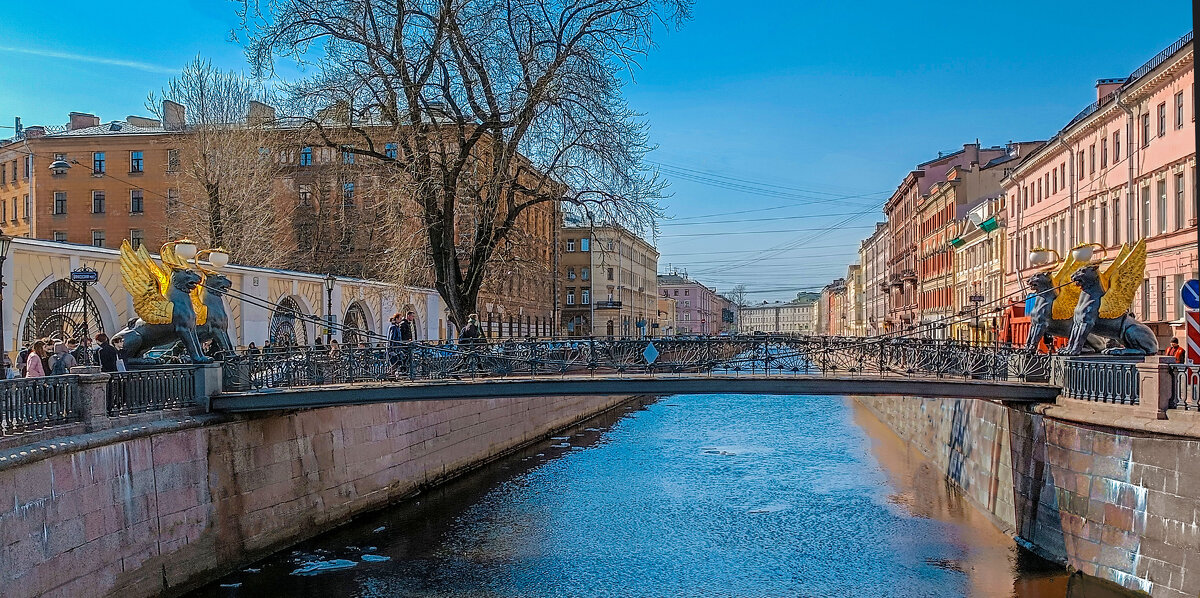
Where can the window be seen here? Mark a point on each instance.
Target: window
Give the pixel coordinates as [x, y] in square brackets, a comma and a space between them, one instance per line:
[172, 198]
[1081, 165]
[1179, 110]
[685, 292]
[28, 167]
[1180, 201]
[172, 160]
[1162, 119]
[135, 201]
[1131, 218]
[347, 194]
[28, 205]
[347, 155]
[1116, 220]
[137, 238]
[14, 214]
[97, 164]
[570, 296]
[306, 156]
[97, 202]
[1178, 304]
[3, 176]
[687, 303]
[571, 273]
[60, 236]
[1162, 205]
[1116, 146]
[60, 203]
[97, 238]
[1092, 159]
[1162, 298]
[1054, 181]
[389, 150]
[1104, 225]
[584, 244]
[135, 161]
[1103, 153]
[676, 291]
[305, 195]
[585, 297]
[1145, 211]
[1145, 130]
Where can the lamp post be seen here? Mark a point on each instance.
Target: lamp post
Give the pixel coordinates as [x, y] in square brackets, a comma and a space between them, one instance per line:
[5, 244]
[329, 280]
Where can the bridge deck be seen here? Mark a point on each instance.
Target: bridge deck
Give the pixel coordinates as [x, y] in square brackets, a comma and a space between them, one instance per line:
[658, 384]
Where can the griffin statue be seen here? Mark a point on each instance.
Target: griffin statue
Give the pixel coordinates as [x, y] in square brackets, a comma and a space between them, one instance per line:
[165, 300]
[215, 325]
[1081, 303]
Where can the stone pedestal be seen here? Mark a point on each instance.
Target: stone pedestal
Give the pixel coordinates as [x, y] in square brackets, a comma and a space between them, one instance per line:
[1154, 382]
[93, 399]
[208, 383]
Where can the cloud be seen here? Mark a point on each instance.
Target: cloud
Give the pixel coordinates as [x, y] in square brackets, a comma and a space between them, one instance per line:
[141, 66]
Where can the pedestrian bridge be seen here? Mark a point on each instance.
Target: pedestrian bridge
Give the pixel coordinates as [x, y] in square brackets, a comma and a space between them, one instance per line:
[783, 365]
[636, 384]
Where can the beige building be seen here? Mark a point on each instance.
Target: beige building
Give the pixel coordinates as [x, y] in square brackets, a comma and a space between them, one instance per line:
[665, 324]
[873, 256]
[979, 271]
[788, 318]
[608, 279]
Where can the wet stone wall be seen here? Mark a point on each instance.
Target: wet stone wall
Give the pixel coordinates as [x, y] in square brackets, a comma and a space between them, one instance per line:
[1117, 504]
[151, 514]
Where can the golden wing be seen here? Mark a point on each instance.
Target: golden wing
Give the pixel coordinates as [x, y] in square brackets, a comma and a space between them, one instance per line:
[1124, 278]
[1114, 268]
[1068, 295]
[148, 301]
[161, 275]
[198, 301]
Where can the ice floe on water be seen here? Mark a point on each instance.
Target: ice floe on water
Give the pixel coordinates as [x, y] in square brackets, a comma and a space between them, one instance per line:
[560, 438]
[231, 585]
[769, 508]
[375, 558]
[319, 567]
[251, 570]
[560, 445]
[379, 529]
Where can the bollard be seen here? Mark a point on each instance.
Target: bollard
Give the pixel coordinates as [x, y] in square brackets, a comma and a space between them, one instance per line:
[93, 398]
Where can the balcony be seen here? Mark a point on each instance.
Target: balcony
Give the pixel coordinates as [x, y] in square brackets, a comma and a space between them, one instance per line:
[601, 305]
[908, 274]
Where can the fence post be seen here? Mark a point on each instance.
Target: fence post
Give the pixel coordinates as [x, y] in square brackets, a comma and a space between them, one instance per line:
[1154, 385]
[93, 397]
[208, 379]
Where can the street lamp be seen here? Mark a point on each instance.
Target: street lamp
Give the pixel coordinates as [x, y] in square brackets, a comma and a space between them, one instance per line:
[5, 244]
[329, 280]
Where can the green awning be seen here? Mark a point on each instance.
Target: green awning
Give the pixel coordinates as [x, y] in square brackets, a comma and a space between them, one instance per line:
[990, 224]
[957, 242]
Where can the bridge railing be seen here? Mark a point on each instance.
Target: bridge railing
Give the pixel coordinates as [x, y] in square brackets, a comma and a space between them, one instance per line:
[769, 355]
[156, 389]
[1185, 387]
[1102, 380]
[28, 404]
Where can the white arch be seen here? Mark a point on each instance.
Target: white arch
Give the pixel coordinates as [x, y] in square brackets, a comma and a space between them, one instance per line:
[104, 305]
[366, 309]
[310, 328]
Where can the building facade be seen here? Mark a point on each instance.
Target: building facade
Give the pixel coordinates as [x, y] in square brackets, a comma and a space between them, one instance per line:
[873, 256]
[609, 281]
[855, 309]
[783, 318]
[979, 271]
[697, 310]
[1122, 170]
[666, 317]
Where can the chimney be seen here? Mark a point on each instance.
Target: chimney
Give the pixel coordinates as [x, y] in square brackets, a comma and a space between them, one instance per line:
[174, 116]
[1107, 86]
[34, 131]
[260, 114]
[82, 120]
[143, 122]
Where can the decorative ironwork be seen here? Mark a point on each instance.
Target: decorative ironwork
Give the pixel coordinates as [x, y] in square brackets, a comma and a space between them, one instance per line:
[287, 329]
[150, 390]
[355, 327]
[32, 403]
[1104, 381]
[287, 365]
[61, 311]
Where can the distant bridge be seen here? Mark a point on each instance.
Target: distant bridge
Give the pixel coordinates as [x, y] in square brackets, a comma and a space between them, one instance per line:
[783, 365]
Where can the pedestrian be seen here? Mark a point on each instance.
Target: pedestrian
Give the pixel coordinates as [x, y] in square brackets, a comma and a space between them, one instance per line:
[471, 335]
[252, 350]
[78, 351]
[335, 349]
[106, 354]
[61, 361]
[119, 344]
[408, 331]
[1174, 350]
[35, 366]
[395, 340]
[22, 357]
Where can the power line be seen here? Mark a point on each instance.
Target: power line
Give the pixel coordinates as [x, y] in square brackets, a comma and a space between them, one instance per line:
[756, 232]
[773, 219]
[734, 179]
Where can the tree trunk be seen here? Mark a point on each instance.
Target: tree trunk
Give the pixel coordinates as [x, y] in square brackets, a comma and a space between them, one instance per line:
[216, 222]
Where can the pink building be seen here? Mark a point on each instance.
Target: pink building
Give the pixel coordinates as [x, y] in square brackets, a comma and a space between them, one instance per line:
[697, 308]
[1123, 169]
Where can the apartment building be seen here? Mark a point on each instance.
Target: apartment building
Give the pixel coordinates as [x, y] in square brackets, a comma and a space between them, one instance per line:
[608, 277]
[873, 254]
[785, 318]
[696, 308]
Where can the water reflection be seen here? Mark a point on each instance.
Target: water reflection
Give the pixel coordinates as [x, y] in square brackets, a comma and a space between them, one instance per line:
[694, 496]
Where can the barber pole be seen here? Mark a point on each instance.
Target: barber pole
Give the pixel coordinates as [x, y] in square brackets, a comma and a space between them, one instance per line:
[1193, 336]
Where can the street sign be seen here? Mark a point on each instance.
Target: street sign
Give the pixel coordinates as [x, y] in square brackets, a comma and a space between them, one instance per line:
[1190, 294]
[977, 298]
[1193, 336]
[85, 275]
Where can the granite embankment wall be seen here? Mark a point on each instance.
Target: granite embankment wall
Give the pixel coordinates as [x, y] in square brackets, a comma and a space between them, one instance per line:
[157, 509]
[1121, 504]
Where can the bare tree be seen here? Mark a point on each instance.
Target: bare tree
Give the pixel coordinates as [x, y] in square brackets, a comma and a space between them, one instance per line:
[230, 166]
[485, 109]
[737, 296]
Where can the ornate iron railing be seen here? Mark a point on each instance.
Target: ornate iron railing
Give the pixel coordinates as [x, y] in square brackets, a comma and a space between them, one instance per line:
[1185, 390]
[1101, 381]
[34, 403]
[763, 355]
[150, 390]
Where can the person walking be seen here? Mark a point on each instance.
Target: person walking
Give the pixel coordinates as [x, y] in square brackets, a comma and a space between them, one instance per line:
[35, 365]
[106, 354]
[62, 361]
[22, 358]
[395, 341]
[471, 334]
[1174, 350]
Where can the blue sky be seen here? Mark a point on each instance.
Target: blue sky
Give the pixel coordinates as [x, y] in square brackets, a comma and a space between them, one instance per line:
[779, 118]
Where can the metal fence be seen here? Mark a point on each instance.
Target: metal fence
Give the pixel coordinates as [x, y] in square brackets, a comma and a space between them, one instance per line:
[760, 355]
[1185, 388]
[1101, 381]
[150, 390]
[33, 403]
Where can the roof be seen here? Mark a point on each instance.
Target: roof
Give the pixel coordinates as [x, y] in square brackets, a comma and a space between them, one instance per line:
[116, 127]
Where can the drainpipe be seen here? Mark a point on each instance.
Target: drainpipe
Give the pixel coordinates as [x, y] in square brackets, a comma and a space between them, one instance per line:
[1131, 198]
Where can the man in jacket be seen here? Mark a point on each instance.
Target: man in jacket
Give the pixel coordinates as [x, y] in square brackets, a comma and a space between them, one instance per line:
[106, 354]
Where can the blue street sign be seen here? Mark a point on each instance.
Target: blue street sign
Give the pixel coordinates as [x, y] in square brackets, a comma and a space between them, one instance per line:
[1190, 293]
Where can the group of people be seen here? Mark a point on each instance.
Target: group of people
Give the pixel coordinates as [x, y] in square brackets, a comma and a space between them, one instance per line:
[56, 357]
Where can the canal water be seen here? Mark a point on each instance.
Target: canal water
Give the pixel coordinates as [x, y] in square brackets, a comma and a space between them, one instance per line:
[718, 495]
